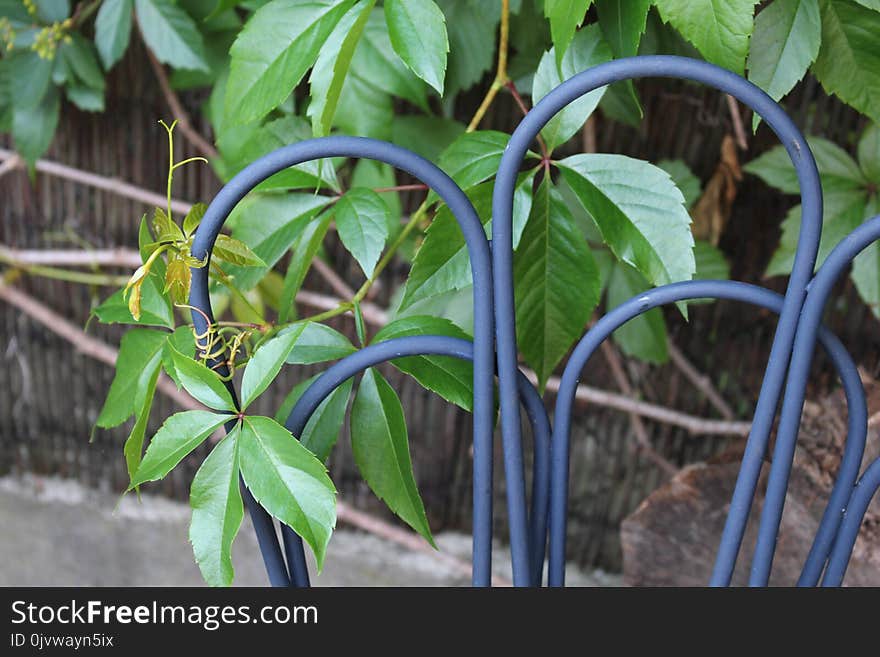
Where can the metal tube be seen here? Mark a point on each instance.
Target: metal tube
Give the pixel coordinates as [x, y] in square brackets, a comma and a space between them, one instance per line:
[802, 270]
[666, 294]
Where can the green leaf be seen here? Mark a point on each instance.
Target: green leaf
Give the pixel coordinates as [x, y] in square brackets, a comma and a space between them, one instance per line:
[113, 30]
[277, 46]
[565, 17]
[155, 307]
[639, 211]
[217, 511]
[556, 283]
[869, 153]
[380, 446]
[332, 65]
[322, 430]
[711, 263]
[134, 444]
[688, 184]
[33, 128]
[241, 145]
[202, 383]
[451, 378]
[179, 435]
[288, 481]
[427, 136]
[836, 168]
[785, 43]
[375, 175]
[587, 49]
[848, 65]
[28, 78]
[842, 213]
[471, 51]
[171, 34]
[182, 341]
[720, 29]
[644, 336]
[265, 364]
[139, 355]
[442, 264]
[79, 56]
[365, 110]
[866, 267]
[362, 223]
[270, 224]
[52, 11]
[85, 98]
[417, 29]
[623, 22]
[378, 67]
[304, 249]
[318, 343]
[473, 157]
[236, 252]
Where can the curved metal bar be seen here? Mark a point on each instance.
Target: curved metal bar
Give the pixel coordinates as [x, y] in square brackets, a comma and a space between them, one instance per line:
[864, 492]
[420, 345]
[736, 291]
[789, 423]
[802, 270]
[478, 251]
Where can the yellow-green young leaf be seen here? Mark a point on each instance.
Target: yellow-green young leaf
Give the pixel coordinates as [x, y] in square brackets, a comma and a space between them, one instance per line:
[417, 29]
[133, 288]
[719, 29]
[785, 43]
[318, 343]
[202, 383]
[451, 378]
[565, 17]
[164, 227]
[113, 30]
[236, 252]
[171, 34]
[288, 481]
[639, 211]
[177, 279]
[587, 49]
[331, 67]
[556, 283]
[362, 223]
[178, 436]
[193, 218]
[848, 65]
[643, 336]
[381, 450]
[322, 430]
[265, 364]
[217, 511]
[277, 46]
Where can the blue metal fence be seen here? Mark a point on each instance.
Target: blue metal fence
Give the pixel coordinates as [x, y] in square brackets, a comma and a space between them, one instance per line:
[538, 521]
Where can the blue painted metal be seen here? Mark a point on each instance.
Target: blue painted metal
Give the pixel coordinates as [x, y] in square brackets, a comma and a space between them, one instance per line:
[539, 524]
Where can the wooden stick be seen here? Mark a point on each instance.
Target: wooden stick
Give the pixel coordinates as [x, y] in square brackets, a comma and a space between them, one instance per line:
[643, 442]
[178, 112]
[700, 381]
[12, 164]
[736, 118]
